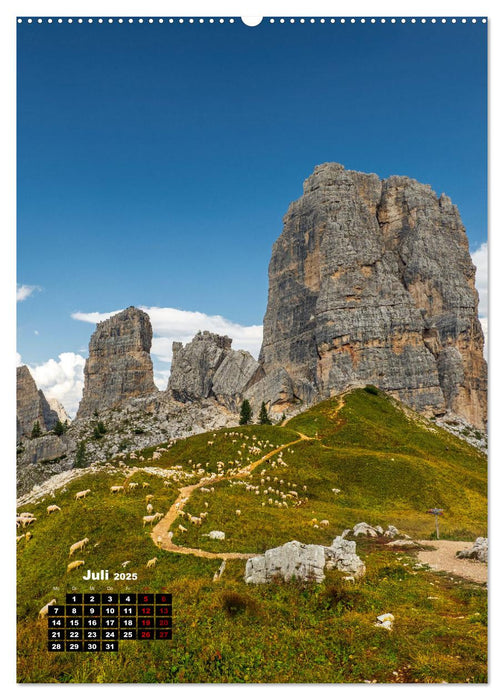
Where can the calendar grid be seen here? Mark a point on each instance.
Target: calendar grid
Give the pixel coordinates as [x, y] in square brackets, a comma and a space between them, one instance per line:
[91, 622]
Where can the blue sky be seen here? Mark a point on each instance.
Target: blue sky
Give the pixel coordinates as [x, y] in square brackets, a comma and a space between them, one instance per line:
[155, 162]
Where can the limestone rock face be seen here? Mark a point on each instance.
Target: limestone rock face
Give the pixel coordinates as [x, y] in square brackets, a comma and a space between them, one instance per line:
[291, 560]
[478, 551]
[305, 562]
[208, 367]
[32, 405]
[372, 282]
[237, 371]
[341, 555]
[195, 364]
[55, 406]
[119, 366]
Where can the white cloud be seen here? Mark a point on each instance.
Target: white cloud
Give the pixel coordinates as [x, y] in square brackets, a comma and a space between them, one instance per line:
[94, 316]
[169, 325]
[480, 259]
[23, 291]
[61, 379]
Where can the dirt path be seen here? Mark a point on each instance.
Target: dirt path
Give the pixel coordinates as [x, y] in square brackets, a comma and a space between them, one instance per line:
[444, 559]
[160, 532]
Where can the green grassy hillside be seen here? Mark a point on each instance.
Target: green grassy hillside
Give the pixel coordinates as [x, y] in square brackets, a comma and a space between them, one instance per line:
[360, 458]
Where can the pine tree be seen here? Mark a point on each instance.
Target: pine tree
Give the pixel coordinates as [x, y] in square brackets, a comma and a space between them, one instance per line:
[80, 455]
[36, 431]
[59, 428]
[245, 413]
[263, 415]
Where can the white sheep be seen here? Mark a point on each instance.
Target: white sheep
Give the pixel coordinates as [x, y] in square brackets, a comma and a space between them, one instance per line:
[124, 564]
[75, 565]
[150, 507]
[52, 509]
[149, 496]
[238, 512]
[24, 521]
[182, 528]
[28, 536]
[132, 485]
[203, 515]
[195, 520]
[116, 489]
[145, 484]
[324, 523]
[151, 563]
[19, 538]
[78, 545]
[44, 611]
[82, 494]
[26, 515]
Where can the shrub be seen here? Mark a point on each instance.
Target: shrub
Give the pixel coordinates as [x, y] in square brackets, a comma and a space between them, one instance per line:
[234, 603]
[99, 430]
[371, 389]
[337, 595]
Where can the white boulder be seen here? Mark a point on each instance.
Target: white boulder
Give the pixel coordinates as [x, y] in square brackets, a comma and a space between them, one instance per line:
[478, 551]
[291, 560]
[341, 555]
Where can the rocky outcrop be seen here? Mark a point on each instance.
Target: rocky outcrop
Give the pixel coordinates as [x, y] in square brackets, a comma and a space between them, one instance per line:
[305, 562]
[478, 551]
[208, 367]
[138, 423]
[55, 406]
[371, 281]
[342, 555]
[119, 366]
[32, 405]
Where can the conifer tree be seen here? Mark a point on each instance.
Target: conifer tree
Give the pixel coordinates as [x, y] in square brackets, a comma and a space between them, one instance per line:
[263, 415]
[245, 412]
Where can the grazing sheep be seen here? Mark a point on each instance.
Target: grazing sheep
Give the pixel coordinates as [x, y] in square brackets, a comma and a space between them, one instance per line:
[24, 521]
[82, 494]
[149, 496]
[203, 515]
[124, 564]
[195, 520]
[151, 563]
[19, 538]
[52, 509]
[145, 484]
[78, 545]
[44, 611]
[26, 515]
[182, 528]
[324, 523]
[75, 565]
[116, 489]
[151, 519]
[28, 536]
[132, 485]
[238, 512]
[150, 507]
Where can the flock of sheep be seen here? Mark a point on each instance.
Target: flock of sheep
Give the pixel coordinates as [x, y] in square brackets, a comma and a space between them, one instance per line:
[275, 491]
